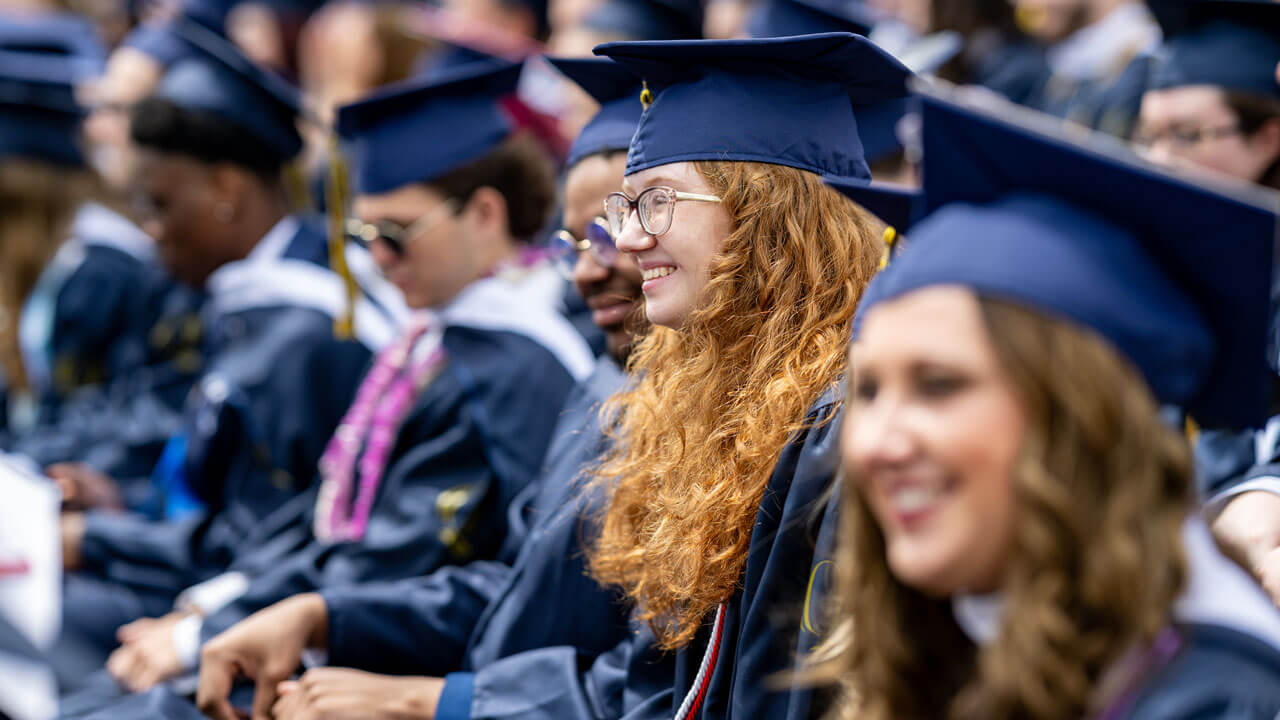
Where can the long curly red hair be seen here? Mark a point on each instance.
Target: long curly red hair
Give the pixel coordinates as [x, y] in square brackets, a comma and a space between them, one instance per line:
[716, 402]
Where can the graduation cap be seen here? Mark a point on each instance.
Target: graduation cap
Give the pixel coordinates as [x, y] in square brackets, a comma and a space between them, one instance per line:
[418, 131]
[43, 58]
[647, 19]
[1233, 44]
[784, 18]
[61, 34]
[786, 101]
[895, 205]
[1174, 274]
[218, 79]
[616, 89]
[878, 124]
[160, 40]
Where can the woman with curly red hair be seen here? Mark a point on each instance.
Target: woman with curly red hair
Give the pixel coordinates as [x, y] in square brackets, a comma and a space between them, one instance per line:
[753, 270]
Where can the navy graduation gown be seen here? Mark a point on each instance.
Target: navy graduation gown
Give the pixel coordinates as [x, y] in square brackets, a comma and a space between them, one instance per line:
[470, 616]
[763, 619]
[105, 324]
[1220, 673]
[482, 427]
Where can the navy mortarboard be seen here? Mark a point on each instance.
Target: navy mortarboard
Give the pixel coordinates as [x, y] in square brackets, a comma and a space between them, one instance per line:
[784, 18]
[218, 79]
[785, 101]
[895, 205]
[617, 90]
[1175, 275]
[420, 131]
[1233, 44]
[646, 19]
[50, 34]
[42, 60]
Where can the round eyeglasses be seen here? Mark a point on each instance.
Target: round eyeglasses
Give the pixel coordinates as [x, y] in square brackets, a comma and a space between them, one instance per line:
[596, 239]
[655, 206]
[393, 234]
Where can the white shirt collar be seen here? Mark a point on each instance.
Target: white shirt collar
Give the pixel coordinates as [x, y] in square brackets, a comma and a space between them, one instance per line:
[979, 616]
[1107, 45]
[100, 225]
[271, 247]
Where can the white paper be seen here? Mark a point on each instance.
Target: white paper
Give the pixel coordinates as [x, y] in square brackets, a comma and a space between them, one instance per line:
[30, 586]
[30, 539]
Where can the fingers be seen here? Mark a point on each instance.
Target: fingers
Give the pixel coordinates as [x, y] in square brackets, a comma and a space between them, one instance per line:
[216, 675]
[121, 664]
[289, 705]
[264, 697]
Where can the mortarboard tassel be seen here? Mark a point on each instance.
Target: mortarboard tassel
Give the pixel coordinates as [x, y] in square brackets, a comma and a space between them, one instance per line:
[295, 187]
[890, 238]
[336, 198]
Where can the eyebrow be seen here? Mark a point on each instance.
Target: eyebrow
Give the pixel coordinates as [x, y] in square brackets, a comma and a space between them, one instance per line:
[628, 188]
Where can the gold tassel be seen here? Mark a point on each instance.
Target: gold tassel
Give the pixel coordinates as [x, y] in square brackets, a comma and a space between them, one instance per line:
[295, 188]
[336, 194]
[890, 237]
[646, 95]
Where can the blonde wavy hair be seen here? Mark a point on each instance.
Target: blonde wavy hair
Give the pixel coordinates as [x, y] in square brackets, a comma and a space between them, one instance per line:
[696, 438]
[1102, 491]
[37, 203]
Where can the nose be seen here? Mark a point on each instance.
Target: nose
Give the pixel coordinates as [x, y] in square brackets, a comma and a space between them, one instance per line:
[876, 436]
[588, 270]
[383, 255]
[633, 238]
[1160, 153]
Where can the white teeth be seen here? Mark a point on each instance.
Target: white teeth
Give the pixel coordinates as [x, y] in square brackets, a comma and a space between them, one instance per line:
[655, 273]
[914, 498]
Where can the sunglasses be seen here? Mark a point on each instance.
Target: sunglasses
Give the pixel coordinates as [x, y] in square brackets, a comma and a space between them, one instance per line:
[394, 235]
[596, 239]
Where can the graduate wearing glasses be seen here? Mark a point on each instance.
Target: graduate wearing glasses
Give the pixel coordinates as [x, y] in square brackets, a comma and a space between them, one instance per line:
[752, 270]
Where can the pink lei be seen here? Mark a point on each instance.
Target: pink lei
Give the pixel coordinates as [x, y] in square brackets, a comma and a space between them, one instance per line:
[400, 373]
[386, 395]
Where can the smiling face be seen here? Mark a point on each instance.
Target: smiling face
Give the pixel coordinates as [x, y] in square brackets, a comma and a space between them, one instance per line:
[611, 291]
[932, 434]
[676, 265]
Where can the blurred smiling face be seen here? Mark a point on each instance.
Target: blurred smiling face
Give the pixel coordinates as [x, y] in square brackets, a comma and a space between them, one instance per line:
[675, 264]
[611, 290]
[930, 439]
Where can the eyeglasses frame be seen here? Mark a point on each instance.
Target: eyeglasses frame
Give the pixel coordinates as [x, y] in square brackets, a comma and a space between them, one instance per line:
[635, 208]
